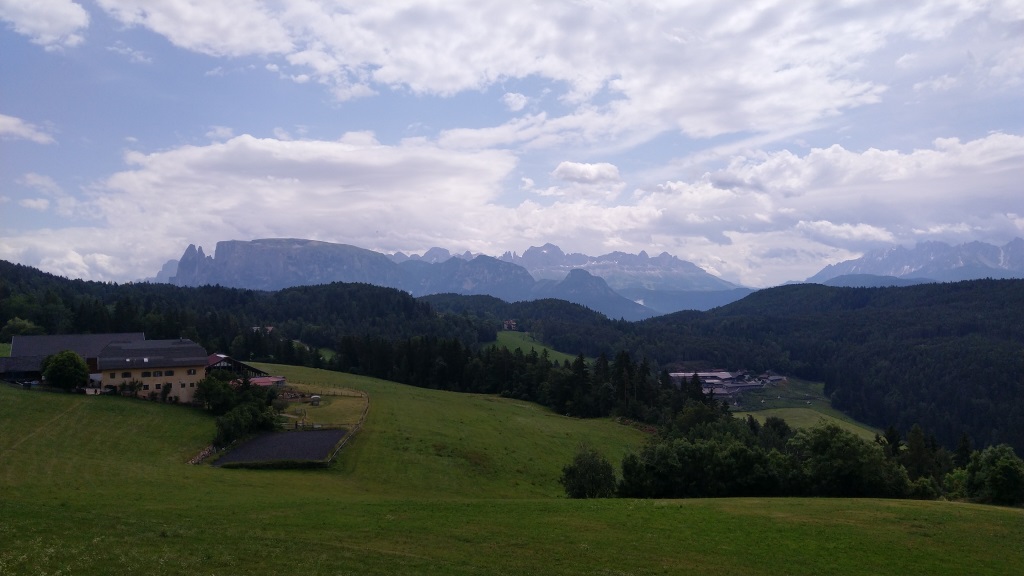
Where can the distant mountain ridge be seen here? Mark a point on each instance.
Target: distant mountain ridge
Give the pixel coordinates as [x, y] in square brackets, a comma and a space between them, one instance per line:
[275, 264]
[934, 261]
[620, 269]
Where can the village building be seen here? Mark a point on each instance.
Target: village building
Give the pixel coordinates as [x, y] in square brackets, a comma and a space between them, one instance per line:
[159, 369]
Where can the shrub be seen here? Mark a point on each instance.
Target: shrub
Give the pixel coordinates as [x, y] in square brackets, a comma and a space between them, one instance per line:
[589, 476]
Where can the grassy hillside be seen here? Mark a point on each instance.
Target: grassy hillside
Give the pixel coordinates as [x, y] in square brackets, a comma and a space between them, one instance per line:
[437, 483]
[800, 403]
[526, 342]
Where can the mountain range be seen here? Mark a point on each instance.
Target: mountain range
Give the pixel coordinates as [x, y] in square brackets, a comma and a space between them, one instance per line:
[617, 284]
[931, 262]
[273, 264]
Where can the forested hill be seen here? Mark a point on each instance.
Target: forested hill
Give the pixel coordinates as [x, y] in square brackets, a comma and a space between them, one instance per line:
[949, 357]
[223, 319]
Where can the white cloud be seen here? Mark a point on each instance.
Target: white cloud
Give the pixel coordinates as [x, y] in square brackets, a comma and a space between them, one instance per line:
[41, 183]
[220, 133]
[41, 204]
[940, 84]
[52, 24]
[354, 190]
[514, 101]
[627, 72]
[16, 128]
[130, 53]
[241, 27]
[586, 173]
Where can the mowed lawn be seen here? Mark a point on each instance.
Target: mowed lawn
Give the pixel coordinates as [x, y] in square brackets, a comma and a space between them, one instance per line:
[436, 483]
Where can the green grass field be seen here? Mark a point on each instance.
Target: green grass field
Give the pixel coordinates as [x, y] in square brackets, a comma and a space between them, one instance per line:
[802, 404]
[436, 483]
[5, 349]
[526, 342]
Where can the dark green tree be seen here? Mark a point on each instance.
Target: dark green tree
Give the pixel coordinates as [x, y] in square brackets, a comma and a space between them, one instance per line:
[589, 476]
[996, 475]
[19, 327]
[65, 370]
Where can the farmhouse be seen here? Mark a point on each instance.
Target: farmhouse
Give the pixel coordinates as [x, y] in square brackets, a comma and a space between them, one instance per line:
[28, 352]
[166, 369]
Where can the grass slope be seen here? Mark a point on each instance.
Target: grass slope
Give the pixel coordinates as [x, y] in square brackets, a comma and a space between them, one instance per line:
[802, 404]
[437, 483]
[526, 342]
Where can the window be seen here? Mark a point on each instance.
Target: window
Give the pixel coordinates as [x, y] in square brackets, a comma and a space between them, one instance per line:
[113, 374]
[191, 384]
[168, 372]
[191, 371]
[157, 373]
[147, 374]
[145, 386]
[126, 374]
[182, 384]
[157, 386]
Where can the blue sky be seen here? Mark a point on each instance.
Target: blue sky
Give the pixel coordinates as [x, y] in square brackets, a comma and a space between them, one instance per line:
[759, 140]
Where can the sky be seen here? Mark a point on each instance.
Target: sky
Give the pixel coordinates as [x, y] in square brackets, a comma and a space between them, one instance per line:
[760, 140]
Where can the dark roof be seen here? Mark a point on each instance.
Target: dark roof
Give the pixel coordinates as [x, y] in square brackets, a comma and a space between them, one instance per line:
[22, 364]
[85, 345]
[220, 360]
[154, 353]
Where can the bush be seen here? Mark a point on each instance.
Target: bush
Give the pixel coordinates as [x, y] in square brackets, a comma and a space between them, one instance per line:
[996, 476]
[589, 476]
[65, 370]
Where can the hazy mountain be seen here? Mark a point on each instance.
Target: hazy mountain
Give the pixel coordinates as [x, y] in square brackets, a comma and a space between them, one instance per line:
[936, 261]
[872, 281]
[274, 264]
[481, 275]
[581, 287]
[619, 269]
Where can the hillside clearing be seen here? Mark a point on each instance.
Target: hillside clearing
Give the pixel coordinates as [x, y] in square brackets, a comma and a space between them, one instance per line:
[526, 343]
[436, 483]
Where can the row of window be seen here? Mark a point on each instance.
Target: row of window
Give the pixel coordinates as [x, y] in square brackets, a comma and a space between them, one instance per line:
[153, 374]
[169, 385]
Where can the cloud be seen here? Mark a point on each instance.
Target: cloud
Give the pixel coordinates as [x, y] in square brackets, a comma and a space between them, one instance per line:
[762, 219]
[40, 183]
[355, 190]
[833, 202]
[242, 27]
[514, 101]
[220, 133]
[586, 173]
[133, 55]
[40, 204]
[692, 68]
[16, 128]
[53, 24]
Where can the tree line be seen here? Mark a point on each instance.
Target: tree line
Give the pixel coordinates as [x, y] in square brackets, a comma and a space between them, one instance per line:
[704, 452]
